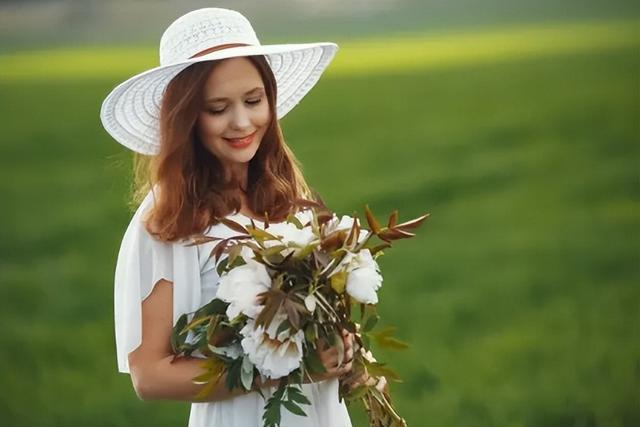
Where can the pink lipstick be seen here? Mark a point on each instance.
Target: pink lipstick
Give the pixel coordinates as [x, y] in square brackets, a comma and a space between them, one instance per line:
[241, 142]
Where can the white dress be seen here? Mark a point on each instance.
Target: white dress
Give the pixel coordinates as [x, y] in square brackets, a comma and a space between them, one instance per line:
[142, 262]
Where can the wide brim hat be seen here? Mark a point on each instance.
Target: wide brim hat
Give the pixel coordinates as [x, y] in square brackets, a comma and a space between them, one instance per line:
[130, 113]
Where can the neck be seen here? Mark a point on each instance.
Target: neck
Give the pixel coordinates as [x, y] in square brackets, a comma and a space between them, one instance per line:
[238, 172]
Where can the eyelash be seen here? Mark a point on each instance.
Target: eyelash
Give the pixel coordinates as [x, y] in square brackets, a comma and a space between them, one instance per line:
[251, 102]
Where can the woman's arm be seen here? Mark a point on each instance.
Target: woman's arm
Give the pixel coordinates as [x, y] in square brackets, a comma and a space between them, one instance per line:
[155, 377]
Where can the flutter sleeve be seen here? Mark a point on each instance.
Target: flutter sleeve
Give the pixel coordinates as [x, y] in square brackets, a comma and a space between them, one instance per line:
[142, 262]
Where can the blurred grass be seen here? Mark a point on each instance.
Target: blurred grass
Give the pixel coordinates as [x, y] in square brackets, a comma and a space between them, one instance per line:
[406, 52]
[519, 296]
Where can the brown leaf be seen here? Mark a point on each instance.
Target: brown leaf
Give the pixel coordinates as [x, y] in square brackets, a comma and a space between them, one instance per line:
[393, 219]
[219, 248]
[272, 301]
[333, 240]
[292, 313]
[234, 225]
[222, 337]
[324, 217]
[354, 232]
[394, 234]
[413, 223]
[371, 219]
[198, 240]
[306, 203]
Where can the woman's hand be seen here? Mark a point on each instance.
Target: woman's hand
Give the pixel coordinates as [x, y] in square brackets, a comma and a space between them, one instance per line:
[366, 379]
[356, 379]
[329, 357]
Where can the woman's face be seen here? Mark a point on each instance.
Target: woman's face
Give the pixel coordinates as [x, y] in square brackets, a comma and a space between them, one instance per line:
[236, 112]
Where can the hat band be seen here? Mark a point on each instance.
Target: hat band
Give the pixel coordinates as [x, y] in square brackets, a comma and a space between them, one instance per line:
[216, 48]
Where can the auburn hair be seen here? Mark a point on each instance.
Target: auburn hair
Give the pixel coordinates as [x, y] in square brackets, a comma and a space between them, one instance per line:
[188, 181]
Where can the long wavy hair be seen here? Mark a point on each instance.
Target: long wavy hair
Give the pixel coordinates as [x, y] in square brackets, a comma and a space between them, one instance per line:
[189, 185]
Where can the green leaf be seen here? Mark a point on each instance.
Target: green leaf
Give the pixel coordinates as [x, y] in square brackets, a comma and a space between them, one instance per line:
[222, 265]
[195, 322]
[246, 373]
[296, 395]
[366, 341]
[260, 235]
[233, 252]
[357, 392]
[313, 361]
[205, 391]
[384, 338]
[215, 306]
[377, 369]
[283, 327]
[273, 250]
[294, 408]
[305, 251]
[370, 323]
[294, 220]
[233, 374]
[393, 343]
[178, 339]
[271, 415]
[338, 282]
[311, 332]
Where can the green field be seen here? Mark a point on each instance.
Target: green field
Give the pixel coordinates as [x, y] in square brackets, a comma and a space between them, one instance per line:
[520, 295]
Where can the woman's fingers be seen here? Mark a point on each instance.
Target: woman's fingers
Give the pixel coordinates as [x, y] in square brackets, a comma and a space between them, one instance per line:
[329, 356]
[381, 384]
[348, 345]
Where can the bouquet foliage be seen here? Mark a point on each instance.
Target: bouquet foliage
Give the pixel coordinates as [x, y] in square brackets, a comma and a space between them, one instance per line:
[284, 288]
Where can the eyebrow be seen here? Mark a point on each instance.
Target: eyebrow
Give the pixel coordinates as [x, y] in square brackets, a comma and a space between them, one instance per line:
[255, 89]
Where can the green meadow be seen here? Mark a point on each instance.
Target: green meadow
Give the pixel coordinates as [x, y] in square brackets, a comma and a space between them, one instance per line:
[519, 296]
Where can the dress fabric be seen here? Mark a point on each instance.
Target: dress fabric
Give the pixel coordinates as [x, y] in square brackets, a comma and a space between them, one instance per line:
[142, 262]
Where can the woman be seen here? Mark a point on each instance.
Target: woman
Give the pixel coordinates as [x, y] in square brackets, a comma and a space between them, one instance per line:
[207, 122]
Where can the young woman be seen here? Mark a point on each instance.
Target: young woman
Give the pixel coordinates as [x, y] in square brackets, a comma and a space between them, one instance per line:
[204, 125]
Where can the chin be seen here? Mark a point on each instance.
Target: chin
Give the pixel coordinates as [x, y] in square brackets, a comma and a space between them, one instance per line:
[243, 157]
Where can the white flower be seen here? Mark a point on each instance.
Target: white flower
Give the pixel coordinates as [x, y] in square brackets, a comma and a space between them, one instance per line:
[363, 278]
[274, 356]
[290, 235]
[232, 351]
[240, 288]
[344, 223]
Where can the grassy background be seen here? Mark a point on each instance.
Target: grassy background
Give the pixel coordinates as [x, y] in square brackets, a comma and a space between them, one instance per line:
[520, 294]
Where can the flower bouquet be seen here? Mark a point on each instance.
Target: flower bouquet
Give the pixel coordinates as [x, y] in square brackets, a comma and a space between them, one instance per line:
[284, 288]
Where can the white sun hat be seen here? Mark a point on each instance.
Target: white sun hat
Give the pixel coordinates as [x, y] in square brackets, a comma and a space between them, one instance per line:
[130, 113]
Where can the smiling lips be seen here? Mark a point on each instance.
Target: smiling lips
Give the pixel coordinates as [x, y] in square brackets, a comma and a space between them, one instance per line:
[241, 142]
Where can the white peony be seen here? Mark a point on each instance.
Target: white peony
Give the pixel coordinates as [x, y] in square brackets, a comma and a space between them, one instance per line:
[232, 351]
[344, 223]
[294, 238]
[274, 356]
[240, 288]
[363, 276]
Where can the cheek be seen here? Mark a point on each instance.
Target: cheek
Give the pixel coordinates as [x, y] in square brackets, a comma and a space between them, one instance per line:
[209, 127]
[262, 117]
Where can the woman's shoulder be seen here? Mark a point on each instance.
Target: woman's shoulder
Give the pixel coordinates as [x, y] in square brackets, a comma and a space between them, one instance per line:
[137, 231]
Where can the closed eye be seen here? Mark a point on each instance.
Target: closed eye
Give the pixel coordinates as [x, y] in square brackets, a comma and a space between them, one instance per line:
[254, 101]
[251, 102]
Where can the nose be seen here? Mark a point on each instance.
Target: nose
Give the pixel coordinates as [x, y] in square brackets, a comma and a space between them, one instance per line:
[240, 118]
